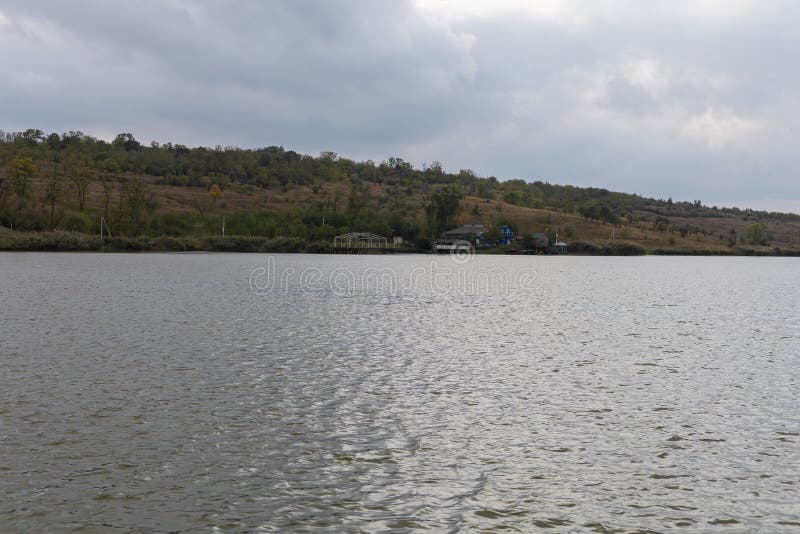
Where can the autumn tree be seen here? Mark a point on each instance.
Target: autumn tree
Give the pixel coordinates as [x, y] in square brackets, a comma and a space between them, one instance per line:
[215, 193]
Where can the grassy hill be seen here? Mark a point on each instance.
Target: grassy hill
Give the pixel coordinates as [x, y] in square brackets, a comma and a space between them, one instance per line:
[54, 190]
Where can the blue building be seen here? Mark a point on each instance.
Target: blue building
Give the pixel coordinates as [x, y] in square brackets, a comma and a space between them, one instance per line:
[507, 235]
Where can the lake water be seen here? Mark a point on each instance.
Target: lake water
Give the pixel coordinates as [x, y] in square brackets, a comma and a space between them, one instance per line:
[214, 392]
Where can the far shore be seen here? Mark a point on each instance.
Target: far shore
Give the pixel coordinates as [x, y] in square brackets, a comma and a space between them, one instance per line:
[77, 242]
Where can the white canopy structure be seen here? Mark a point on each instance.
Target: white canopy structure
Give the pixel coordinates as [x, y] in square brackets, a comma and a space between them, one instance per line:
[360, 240]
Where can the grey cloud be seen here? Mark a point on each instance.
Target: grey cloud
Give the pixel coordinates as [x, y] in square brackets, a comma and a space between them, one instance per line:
[680, 99]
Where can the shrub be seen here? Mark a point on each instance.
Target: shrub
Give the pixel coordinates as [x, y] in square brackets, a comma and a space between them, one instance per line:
[177, 244]
[285, 244]
[76, 222]
[319, 247]
[51, 241]
[129, 243]
[235, 243]
[606, 249]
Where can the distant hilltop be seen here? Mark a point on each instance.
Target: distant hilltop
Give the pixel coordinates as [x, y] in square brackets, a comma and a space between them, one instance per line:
[168, 196]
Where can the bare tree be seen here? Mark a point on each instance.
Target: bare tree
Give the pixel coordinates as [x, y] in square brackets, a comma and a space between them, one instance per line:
[81, 179]
[108, 188]
[52, 194]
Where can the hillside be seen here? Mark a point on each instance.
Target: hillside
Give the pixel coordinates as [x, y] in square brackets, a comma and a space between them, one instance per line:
[68, 182]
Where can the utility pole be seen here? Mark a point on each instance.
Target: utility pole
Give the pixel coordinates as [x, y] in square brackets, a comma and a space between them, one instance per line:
[103, 223]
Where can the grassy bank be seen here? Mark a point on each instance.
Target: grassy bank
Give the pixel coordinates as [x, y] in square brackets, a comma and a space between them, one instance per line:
[735, 251]
[71, 241]
[74, 241]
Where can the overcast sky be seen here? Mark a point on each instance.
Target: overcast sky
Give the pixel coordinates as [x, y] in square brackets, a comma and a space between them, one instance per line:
[691, 100]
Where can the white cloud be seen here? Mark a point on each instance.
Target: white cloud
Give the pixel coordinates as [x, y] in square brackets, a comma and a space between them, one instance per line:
[717, 129]
[464, 9]
[647, 74]
[688, 99]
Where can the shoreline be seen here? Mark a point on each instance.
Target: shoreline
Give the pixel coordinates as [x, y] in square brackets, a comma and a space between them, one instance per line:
[77, 242]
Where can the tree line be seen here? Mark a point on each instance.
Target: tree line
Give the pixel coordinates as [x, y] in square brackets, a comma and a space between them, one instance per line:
[47, 179]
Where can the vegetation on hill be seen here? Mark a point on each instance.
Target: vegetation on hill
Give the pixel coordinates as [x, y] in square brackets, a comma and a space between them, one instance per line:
[174, 197]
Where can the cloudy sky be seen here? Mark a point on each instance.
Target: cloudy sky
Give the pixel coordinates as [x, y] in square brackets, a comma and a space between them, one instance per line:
[687, 99]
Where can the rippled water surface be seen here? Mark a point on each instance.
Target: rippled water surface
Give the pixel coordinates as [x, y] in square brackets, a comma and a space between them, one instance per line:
[168, 393]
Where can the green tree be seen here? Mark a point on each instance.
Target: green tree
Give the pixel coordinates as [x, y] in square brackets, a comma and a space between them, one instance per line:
[127, 142]
[443, 207]
[54, 141]
[756, 234]
[435, 169]
[21, 170]
[492, 235]
[33, 136]
[486, 188]
[356, 199]
[140, 204]
[512, 197]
